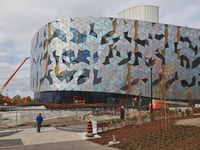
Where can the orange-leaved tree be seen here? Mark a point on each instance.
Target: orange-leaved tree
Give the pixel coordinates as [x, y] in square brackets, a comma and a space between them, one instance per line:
[6, 98]
[163, 91]
[16, 100]
[24, 100]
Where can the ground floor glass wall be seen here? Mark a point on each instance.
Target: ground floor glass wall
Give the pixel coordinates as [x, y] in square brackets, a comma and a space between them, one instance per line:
[66, 97]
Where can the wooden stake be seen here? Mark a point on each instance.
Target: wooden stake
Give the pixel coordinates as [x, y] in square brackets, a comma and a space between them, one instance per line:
[162, 118]
[168, 118]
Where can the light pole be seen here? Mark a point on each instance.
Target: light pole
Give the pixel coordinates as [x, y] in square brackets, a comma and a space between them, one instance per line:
[151, 93]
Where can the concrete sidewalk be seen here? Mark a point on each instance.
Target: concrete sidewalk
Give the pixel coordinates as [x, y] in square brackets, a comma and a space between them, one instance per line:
[68, 145]
[51, 138]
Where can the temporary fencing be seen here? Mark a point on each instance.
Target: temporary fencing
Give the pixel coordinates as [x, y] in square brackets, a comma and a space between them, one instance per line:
[21, 117]
[16, 118]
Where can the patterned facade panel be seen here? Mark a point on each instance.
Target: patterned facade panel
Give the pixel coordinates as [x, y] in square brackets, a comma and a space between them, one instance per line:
[113, 55]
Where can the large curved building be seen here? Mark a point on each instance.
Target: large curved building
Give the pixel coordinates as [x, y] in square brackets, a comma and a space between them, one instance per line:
[105, 59]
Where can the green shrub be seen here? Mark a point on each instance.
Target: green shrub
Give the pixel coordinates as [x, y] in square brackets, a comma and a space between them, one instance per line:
[165, 139]
[130, 142]
[134, 118]
[113, 121]
[118, 120]
[134, 139]
[187, 112]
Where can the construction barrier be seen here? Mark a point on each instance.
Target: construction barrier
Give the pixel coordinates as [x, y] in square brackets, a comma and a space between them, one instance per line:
[89, 129]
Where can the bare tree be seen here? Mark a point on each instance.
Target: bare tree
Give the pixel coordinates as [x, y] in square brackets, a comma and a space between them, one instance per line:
[138, 91]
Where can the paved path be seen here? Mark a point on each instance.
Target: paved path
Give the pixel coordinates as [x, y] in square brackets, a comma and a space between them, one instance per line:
[70, 138]
[190, 122]
[67, 145]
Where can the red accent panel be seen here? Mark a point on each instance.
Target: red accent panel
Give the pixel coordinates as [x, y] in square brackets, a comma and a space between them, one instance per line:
[79, 99]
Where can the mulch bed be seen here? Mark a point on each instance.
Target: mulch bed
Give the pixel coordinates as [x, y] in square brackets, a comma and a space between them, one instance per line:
[151, 135]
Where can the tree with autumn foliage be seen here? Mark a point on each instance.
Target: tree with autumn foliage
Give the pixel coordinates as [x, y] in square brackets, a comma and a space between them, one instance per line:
[17, 96]
[190, 94]
[163, 91]
[6, 98]
[28, 99]
[16, 100]
[1, 97]
[24, 100]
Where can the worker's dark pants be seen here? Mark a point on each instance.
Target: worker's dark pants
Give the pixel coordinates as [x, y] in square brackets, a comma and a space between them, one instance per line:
[38, 127]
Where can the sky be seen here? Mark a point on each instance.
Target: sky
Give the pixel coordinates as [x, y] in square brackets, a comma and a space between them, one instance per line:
[21, 19]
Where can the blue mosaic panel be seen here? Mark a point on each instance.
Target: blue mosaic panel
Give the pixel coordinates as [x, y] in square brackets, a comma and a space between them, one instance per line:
[113, 55]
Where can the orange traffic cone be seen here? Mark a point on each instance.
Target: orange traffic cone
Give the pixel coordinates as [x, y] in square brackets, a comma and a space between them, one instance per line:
[89, 129]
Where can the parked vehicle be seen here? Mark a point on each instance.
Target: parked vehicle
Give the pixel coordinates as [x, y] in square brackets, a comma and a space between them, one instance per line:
[158, 106]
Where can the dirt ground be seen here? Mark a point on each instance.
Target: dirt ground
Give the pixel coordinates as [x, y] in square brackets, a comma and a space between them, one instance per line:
[134, 136]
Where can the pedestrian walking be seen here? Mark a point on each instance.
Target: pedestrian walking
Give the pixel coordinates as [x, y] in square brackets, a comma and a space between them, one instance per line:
[39, 120]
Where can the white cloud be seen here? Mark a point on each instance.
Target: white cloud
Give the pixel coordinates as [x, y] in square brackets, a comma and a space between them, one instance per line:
[21, 19]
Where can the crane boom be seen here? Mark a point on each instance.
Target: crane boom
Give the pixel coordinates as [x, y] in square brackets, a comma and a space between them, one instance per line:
[13, 74]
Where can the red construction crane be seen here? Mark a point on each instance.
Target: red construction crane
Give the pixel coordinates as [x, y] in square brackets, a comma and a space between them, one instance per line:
[13, 74]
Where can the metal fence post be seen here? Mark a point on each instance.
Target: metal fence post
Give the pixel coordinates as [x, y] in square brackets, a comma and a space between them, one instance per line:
[102, 113]
[76, 115]
[59, 117]
[0, 121]
[16, 119]
[113, 111]
[43, 119]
